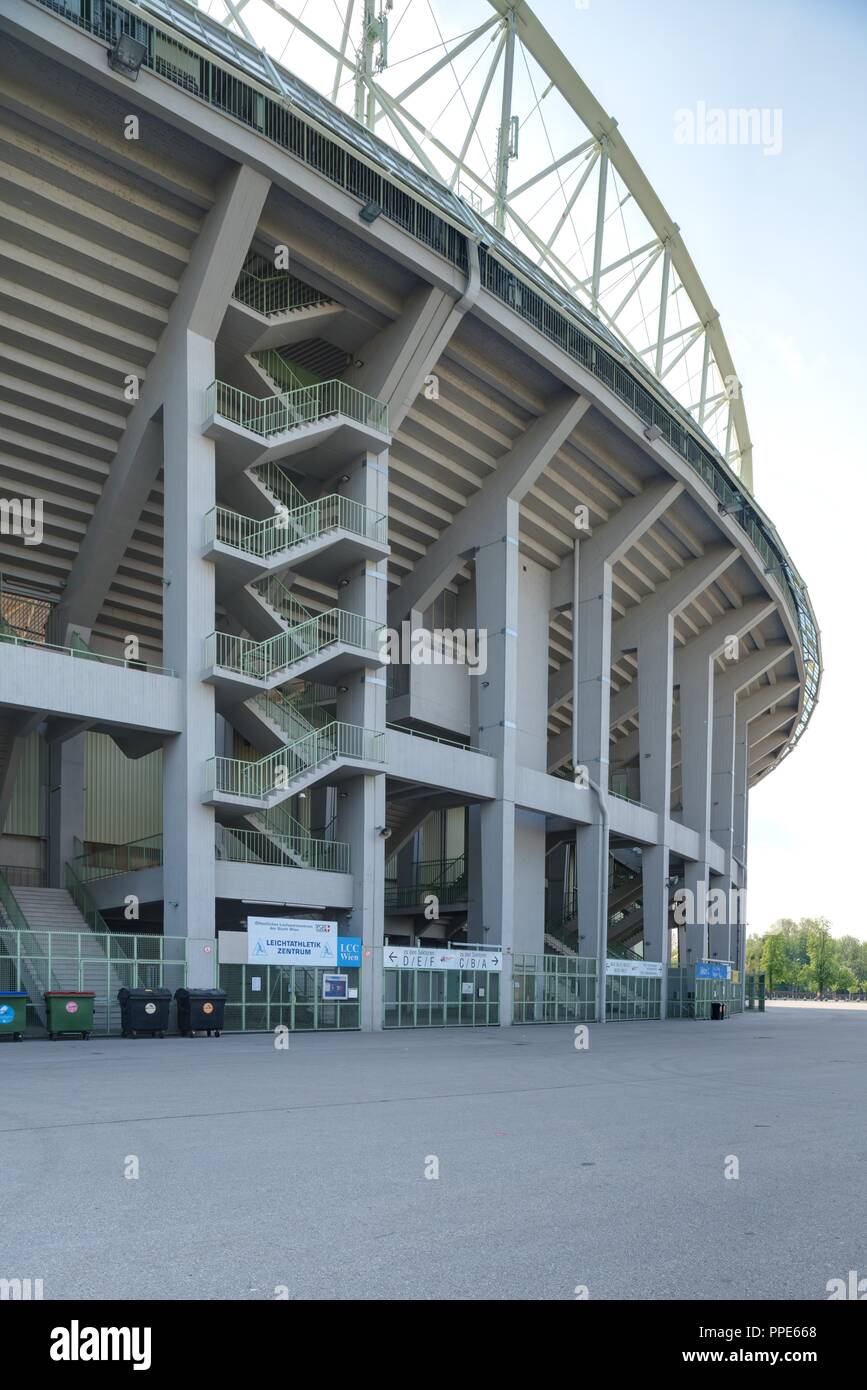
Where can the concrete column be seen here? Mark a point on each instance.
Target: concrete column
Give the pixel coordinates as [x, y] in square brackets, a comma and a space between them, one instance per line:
[655, 693]
[696, 725]
[721, 934]
[591, 716]
[188, 618]
[66, 804]
[361, 812]
[497, 562]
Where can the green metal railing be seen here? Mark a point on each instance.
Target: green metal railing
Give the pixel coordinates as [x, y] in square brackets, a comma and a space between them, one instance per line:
[305, 405]
[78, 891]
[281, 372]
[299, 850]
[260, 779]
[692, 998]
[445, 879]
[81, 652]
[279, 485]
[436, 998]
[629, 997]
[285, 530]
[261, 660]
[281, 598]
[268, 291]
[554, 989]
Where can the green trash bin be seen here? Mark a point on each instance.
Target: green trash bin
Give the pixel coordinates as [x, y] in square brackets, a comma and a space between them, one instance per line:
[69, 1011]
[13, 1013]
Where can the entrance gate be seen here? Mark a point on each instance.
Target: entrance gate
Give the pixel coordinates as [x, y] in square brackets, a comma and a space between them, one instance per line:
[440, 988]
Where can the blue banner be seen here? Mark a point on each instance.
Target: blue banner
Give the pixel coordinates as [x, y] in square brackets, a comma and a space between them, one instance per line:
[713, 970]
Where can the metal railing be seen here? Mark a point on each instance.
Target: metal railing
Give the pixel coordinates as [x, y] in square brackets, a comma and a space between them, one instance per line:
[299, 851]
[434, 738]
[106, 861]
[305, 405]
[82, 653]
[257, 780]
[553, 989]
[261, 660]
[445, 879]
[273, 535]
[279, 485]
[268, 291]
[281, 598]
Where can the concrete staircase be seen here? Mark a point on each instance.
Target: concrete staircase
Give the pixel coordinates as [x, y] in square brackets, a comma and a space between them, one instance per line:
[78, 959]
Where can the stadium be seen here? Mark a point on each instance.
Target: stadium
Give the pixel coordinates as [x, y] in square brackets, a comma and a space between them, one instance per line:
[383, 590]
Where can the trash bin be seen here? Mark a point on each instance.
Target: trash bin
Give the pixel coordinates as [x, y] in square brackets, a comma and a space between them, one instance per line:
[717, 1009]
[200, 1010]
[13, 1013]
[144, 1011]
[69, 1011]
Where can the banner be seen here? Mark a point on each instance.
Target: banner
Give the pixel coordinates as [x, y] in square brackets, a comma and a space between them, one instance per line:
[291, 941]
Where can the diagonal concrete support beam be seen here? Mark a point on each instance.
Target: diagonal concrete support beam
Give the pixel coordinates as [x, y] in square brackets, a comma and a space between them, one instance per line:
[670, 598]
[516, 473]
[199, 307]
[400, 357]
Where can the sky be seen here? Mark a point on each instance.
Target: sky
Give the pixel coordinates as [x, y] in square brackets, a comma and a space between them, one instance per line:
[777, 240]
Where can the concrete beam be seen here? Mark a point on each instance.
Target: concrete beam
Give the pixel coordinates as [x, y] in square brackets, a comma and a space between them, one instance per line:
[205, 289]
[516, 473]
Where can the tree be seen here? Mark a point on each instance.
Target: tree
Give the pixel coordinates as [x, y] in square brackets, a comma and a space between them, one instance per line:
[774, 959]
[822, 951]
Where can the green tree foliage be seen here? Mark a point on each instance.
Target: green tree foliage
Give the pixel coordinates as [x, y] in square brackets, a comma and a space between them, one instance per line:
[806, 956]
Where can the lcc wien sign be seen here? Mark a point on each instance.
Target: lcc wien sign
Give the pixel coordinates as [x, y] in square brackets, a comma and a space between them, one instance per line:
[291, 941]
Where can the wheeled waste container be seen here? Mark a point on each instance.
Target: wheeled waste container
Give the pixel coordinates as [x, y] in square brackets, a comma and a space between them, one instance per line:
[13, 1013]
[717, 1009]
[144, 1011]
[69, 1011]
[200, 1010]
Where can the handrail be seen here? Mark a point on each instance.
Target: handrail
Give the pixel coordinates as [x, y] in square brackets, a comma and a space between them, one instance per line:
[274, 292]
[260, 778]
[83, 653]
[279, 484]
[260, 660]
[240, 846]
[281, 598]
[434, 738]
[80, 894]
[290, 528]
[269, 415]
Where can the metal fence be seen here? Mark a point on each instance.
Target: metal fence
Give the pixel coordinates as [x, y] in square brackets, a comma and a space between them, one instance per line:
[630, 997]
[692, 998]
[260, 999]
[553, 989]
[440, 998]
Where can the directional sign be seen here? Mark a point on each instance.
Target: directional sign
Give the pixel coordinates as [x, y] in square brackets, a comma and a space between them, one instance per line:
[633, 967]
[418, 958]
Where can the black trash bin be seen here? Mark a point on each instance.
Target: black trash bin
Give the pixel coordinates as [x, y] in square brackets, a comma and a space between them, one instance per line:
[717, 1009]
[144, 1011]
[200, 1010]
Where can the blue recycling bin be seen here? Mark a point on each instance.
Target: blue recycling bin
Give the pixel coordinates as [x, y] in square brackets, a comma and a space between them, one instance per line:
[13, 1013]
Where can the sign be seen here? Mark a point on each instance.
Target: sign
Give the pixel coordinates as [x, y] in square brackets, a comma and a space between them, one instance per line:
[634, 967]
[256, 984]
[713, 970]
[349, 950]
[291, 941]
[335, 987]
[418, 958]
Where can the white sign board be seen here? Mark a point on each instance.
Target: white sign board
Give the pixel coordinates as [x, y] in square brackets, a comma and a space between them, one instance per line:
[417, 958]
[634, 967]
[291, 941]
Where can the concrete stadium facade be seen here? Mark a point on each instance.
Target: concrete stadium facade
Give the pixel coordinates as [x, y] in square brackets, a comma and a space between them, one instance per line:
[288, 408]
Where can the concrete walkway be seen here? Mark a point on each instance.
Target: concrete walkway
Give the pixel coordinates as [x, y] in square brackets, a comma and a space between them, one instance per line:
[305, 1169]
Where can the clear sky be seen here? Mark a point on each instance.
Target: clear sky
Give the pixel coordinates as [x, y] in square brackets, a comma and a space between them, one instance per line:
[779, 242]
